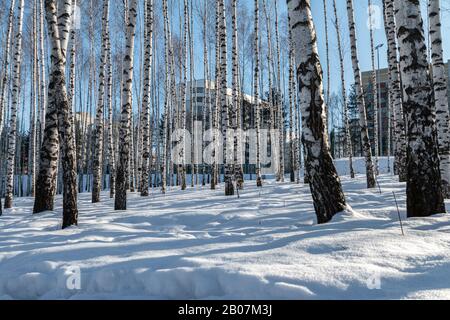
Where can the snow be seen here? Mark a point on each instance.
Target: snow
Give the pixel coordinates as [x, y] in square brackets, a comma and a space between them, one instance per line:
[199, 244]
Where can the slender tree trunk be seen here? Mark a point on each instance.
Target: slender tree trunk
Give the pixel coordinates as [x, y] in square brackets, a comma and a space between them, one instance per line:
[236, 120]
[360, 100]
[327, 52]
[424, 188]
[395, 90]
[344, 93]
[216, 125]
[292, 151]
[256, 95]
[98, 135]
[226, 121]
[166, 128]
[126, 113]
[43, 81]
[5, 81]
[325, 185]
[109, 104]
[146, 141]
[12, 136]
[440, 94]
[375, 102]
[279, 101]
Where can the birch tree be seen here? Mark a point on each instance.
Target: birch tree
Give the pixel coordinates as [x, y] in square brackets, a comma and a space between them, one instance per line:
[126, 111]
[360, 100]
[146, 141]
[109, 104]
[12, 134]
[374, 88]
[440, 93]
[99, 128]
[5, 81]
[423, 188]
[395, 91]
[344, 93]
[236, 121]
[256, 95]
[324, 181]
[279, 101]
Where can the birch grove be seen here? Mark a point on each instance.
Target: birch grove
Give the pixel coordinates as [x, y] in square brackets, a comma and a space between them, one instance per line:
[117, 98]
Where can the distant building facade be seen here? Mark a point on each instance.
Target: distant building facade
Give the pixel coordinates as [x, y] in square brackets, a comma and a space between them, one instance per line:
[384, 113]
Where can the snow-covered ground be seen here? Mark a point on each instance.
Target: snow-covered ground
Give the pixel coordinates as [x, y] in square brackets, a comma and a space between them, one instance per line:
[200, 244]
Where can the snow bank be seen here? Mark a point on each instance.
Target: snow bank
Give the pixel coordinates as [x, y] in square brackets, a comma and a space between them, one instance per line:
[201, 245]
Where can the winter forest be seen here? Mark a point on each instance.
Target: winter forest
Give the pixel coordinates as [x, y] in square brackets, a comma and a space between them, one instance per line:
[228, 149]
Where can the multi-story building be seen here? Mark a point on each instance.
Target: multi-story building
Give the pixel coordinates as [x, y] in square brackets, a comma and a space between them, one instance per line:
[383, 110]
[203, 96]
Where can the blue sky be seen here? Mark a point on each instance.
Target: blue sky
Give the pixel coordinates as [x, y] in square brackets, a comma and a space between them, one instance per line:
[361, 18]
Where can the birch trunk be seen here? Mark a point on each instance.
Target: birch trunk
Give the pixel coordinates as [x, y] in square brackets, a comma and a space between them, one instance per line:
[440, 94]
[5, 81]
[344, 93]
[279, 103]
[360, 100]
[227, 128]
[256, 95]
[291, 89]
[424, 188]
[12, 135]
[109, 104]
[396, 93]
[374, 90]
[97, 171]
[146, 142]
[324, 182]
[236, 121]
[126, 112]
[166, 99]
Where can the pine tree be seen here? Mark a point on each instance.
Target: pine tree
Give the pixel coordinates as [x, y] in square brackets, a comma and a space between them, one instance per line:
[324, 182]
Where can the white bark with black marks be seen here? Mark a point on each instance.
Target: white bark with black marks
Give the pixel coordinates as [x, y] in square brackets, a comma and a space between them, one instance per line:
[324, 181]
[256, 95]
[344, 93]
[12, 134]
[440, 93]
[360, 100]
[146, 134]
[395, 91]
[125, 119]
[5, 81]
[99, 121]
[424, 188]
